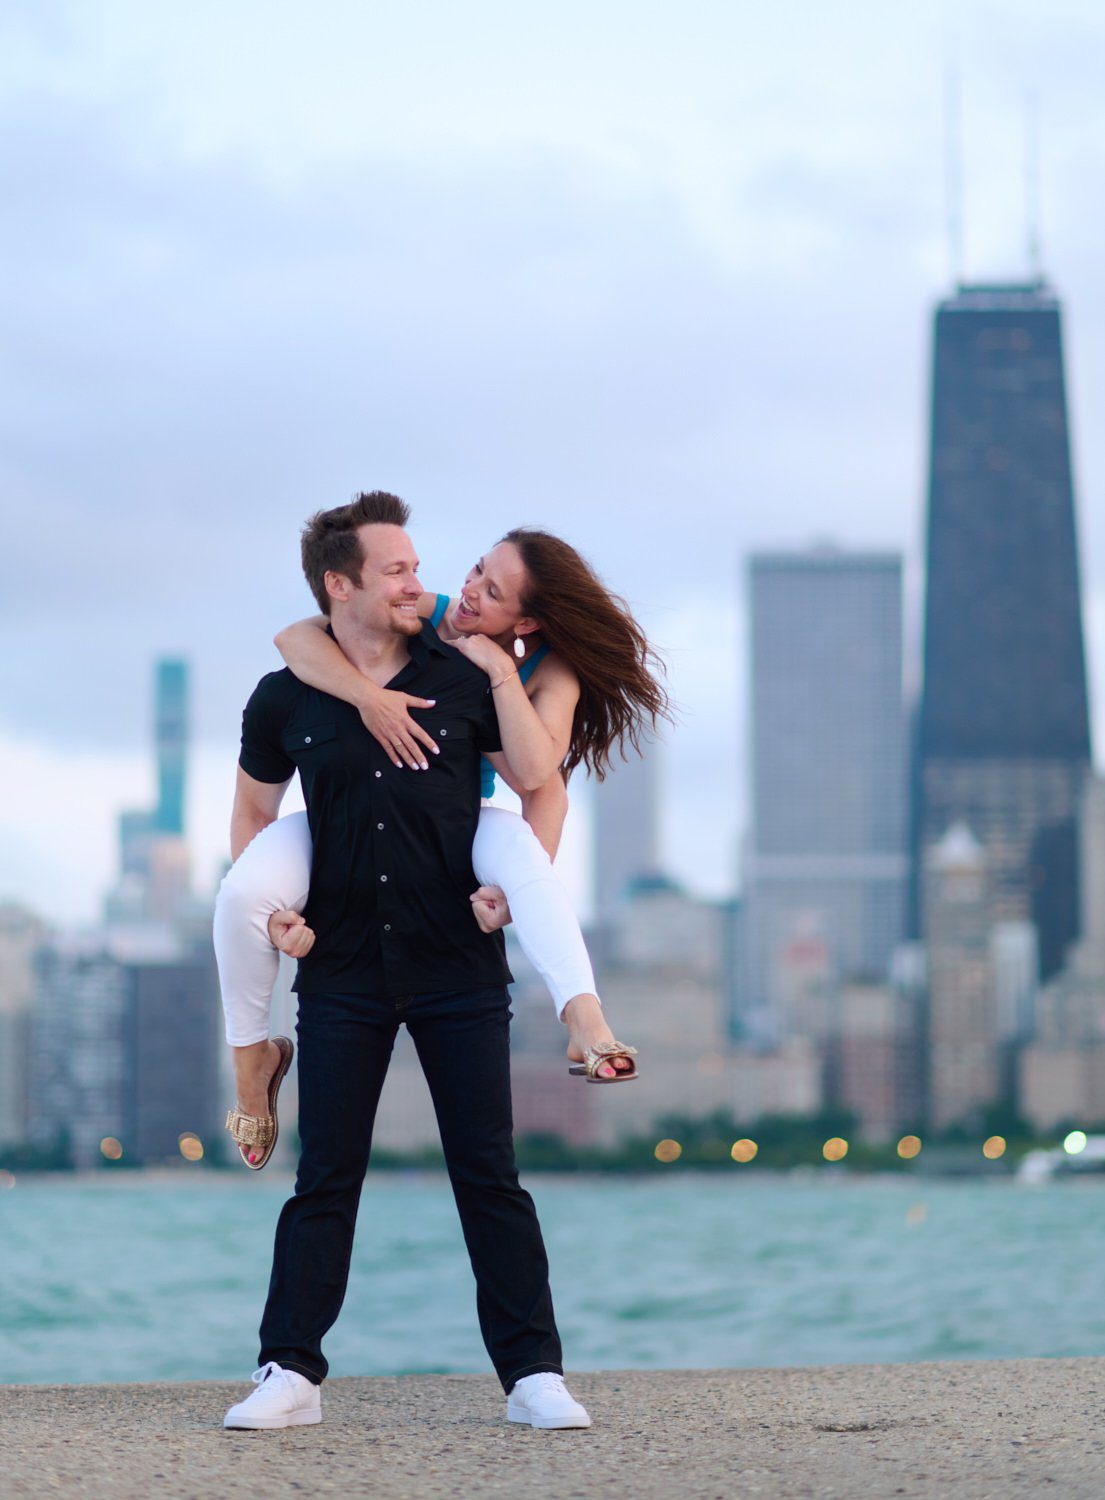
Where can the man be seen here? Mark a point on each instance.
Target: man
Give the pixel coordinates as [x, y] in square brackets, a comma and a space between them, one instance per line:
[395, 943]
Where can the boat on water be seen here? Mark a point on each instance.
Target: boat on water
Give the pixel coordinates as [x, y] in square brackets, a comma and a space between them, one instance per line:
[1079, 1156]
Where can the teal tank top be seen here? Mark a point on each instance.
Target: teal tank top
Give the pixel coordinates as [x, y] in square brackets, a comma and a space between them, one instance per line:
[525, 672]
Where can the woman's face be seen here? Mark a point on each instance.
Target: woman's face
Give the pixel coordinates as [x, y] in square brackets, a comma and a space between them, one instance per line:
[490, 602]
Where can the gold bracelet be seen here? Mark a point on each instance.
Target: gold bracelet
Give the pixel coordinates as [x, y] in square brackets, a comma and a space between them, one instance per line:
[501, 680]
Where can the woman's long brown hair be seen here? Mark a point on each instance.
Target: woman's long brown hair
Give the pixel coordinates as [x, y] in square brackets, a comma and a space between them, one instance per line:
[620, 697]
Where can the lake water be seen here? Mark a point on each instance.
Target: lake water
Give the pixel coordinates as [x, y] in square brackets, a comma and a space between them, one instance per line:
[139, 1278]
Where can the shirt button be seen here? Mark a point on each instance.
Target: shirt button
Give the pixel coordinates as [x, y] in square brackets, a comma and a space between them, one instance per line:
[383, 879]
[387, 926]
[379, 825]
[443, 732]
[307, 739]
[379, 773]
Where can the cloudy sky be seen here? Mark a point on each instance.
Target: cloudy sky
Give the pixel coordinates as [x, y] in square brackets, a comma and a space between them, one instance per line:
[657, 276]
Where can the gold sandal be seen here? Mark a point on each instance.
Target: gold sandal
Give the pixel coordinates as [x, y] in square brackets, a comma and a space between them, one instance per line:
[260, 1132]
[594, 1058]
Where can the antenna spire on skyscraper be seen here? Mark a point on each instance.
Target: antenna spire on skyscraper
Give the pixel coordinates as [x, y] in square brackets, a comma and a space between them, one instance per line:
[1033, 238]
[953, 172]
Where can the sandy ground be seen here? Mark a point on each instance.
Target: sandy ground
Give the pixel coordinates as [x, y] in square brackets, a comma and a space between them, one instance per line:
[1009, 1428]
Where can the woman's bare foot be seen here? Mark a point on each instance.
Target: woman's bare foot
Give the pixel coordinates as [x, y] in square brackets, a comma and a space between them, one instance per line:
[253, 1070]
[587, 1028]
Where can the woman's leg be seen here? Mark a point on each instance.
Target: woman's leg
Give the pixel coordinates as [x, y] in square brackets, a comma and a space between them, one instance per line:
[271, 873]
[507, 853]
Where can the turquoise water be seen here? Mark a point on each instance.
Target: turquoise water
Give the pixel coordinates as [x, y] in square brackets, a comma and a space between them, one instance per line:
[133, 1278]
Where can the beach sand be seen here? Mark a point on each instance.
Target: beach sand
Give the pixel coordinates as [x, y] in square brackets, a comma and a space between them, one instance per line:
[993, 1429]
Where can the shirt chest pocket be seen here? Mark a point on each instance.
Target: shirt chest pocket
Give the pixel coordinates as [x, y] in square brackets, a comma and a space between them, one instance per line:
[301, 742]
[448, 734]
[456, 751]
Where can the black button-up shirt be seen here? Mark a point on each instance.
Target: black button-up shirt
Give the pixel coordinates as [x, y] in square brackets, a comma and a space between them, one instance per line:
[391, 871]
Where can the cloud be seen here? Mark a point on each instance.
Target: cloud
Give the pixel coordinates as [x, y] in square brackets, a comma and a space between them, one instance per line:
[668, 293]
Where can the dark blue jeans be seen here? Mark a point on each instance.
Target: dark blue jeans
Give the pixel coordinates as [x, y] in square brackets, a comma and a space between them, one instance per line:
[463, 1044]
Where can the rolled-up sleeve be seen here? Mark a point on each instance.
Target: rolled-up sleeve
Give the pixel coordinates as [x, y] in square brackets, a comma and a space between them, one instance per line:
[263, 723]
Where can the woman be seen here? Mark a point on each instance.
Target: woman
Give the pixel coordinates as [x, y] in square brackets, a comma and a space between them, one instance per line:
[572, 676]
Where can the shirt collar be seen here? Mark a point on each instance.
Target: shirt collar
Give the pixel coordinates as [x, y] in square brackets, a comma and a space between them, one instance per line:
[419, 645]
[429, 640]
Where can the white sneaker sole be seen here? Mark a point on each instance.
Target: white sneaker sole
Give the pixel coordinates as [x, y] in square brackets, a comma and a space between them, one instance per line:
[291, 1419]
[553, 1424]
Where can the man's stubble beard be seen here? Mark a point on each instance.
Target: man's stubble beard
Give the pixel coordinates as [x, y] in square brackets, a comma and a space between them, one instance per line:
[404, 625]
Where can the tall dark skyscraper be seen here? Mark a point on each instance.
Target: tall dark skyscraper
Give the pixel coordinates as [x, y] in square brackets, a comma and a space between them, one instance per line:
[1003, 739]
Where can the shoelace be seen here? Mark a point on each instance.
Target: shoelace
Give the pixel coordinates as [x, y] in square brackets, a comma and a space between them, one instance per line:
[272, 1368]
[549, 1380]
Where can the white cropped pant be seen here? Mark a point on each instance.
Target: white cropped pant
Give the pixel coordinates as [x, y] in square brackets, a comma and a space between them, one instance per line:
[274, 871]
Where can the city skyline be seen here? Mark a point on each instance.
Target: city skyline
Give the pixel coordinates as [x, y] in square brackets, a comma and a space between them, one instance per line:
[683, 320]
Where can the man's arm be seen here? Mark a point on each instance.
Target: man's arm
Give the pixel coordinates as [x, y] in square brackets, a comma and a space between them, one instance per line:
[256, 805]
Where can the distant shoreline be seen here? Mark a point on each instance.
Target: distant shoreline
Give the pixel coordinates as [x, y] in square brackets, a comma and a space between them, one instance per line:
[136, 1177]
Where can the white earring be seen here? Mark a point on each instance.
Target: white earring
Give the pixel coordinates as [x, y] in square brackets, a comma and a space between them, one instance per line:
[519, 647]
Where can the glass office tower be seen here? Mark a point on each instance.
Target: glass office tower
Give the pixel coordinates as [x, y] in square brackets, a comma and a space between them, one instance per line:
[826, 867]
[172, 744]
[1003, 739]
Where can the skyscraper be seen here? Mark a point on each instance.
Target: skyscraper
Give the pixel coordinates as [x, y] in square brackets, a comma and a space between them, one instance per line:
[172, 744]
[77, 1064]
[964, 1074]
[826, 869]
[154, 874]
[171, 1049]
[21, 935]
[626, 842]
[123, 1043]
[1003, 742]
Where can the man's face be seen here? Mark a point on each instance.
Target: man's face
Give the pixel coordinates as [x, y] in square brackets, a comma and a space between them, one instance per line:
[387, 600]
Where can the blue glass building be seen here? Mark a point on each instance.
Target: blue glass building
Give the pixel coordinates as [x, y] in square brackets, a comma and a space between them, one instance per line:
[172, 744]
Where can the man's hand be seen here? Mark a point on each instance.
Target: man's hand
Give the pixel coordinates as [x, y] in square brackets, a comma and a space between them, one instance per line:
[384, 713]
[290, 933]
[490, 909]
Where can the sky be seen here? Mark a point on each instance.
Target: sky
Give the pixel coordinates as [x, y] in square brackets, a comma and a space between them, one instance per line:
[658, 277]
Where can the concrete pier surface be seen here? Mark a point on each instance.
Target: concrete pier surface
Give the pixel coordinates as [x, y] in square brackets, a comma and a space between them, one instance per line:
[994, 1429]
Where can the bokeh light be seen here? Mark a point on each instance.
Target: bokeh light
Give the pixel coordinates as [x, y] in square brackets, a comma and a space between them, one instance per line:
[916, 1214]
[111, 1148]
[744, 1150]
[668, 1150]
[191, 1147]
[993, 1147]
[835, 1149]
[1075, 1142]
[909, 1146]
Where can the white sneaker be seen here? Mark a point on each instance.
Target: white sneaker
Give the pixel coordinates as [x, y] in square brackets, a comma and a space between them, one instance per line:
[283, 1398]
[542, 1400]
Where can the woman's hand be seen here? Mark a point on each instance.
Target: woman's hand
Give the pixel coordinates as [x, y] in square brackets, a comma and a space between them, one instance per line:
[482, 651]
[385, 714]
